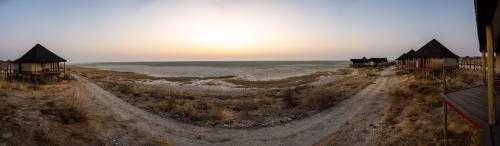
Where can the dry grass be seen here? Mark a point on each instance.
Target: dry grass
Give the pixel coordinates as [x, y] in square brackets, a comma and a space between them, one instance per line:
[321, 97]
[48, 115]
[345, 71]
[255, 108]
[15, 85]
[415, 114]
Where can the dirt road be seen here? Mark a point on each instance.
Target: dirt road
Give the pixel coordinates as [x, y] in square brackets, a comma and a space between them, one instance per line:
[307, 131]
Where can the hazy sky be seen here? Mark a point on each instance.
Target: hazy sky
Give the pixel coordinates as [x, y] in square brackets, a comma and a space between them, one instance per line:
[166, 30]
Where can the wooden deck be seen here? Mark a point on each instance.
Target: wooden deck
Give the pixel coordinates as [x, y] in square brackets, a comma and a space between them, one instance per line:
[472, 104]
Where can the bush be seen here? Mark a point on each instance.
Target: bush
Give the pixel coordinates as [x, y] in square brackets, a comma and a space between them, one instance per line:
[74, 110]
[319, 98]
[345, 71]
[225, 115]
[185, 109]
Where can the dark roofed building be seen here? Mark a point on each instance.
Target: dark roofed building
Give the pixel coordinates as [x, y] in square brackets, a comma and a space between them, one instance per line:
[40, 61]
[406, 61]
[359, 62]
[369, 62]
[378, 61]
[434, 56]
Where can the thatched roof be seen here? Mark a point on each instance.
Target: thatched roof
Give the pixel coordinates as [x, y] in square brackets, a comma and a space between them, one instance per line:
[39, 54]
[409, 54]
[434, 49]
[401, 57]
[363, 60]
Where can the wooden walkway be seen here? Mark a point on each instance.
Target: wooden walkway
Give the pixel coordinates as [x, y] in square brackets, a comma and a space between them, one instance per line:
[472, 104]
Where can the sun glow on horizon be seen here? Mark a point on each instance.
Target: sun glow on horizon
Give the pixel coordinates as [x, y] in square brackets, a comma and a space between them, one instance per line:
[217, 30]
[223, 36]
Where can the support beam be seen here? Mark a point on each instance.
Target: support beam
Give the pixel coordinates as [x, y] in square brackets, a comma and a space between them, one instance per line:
[483, 65]
[491, 75]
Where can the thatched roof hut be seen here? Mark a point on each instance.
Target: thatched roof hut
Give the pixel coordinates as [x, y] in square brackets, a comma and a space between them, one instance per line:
[40, 61]
[435, 56]
[406, 60]
[369, 62]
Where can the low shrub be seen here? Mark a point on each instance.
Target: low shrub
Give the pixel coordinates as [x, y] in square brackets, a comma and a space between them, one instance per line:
[185, 109]
[225, 115]
[345, 71]
[74, 110]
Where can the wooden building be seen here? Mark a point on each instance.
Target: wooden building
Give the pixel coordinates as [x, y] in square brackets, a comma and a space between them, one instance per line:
[364, 62]
[400, 61]
[435, 57]
[359, 62]
[378, 62]
[407, 60]
[39, 62]
[479, 105]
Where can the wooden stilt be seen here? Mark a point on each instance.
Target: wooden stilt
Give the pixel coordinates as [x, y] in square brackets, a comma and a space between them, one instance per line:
[445, 124]
[491, 75]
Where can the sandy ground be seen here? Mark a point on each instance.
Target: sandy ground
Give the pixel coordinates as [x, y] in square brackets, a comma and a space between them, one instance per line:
[364, 125]
[220, 87]
[307, 131]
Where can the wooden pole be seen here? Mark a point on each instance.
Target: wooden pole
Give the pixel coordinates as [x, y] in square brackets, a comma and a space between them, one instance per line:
[445, 108]
[491, 76]
[445, 122]
[483, 65]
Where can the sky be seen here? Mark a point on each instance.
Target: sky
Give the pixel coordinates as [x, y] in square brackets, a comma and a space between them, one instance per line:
[198, 30]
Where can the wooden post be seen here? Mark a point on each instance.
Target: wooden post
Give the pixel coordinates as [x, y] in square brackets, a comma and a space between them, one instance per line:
[445, 109]
[491, 75]
[483, 65]
[64, 68]
[445, 122]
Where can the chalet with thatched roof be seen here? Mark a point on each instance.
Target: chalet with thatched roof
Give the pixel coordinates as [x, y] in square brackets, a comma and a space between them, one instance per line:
[369, 62]
[434, 56]
[378, 61]
[360, 62]
[407, 60]
[40, 61]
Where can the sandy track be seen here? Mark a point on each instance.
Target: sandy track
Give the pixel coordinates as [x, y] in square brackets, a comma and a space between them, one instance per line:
[361, 129]
[307, 131]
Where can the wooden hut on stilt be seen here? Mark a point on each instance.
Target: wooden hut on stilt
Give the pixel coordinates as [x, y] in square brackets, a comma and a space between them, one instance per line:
[479, 105]
[360, 62]
[372, 62]
[400, 61]
[39, 63]
[434, 58]
[407, 61]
